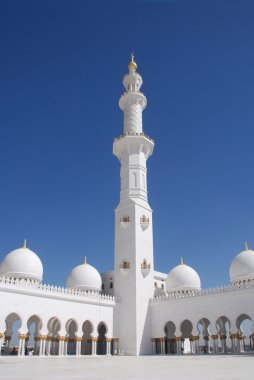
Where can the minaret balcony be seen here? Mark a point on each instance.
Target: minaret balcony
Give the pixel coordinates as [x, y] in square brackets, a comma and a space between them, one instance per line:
[133, 143]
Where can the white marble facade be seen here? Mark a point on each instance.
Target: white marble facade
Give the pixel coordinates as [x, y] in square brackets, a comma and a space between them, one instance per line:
[132, 310]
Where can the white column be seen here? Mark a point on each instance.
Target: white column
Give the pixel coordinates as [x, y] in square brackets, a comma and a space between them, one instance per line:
[108, 346]
[116, 340]
[234, 339]
[23, 342]
[61, 345]
[162, 344]
[223, 343]
[241, 343]
[7, 344]
[21, 348]
[207, 344]
[37, 347]
[43, 345]
[48, 346]
[154, 346]
[178, 345]
[65, 347]
[215, 343]
[94, 346]
[1, 341]
[78, 346]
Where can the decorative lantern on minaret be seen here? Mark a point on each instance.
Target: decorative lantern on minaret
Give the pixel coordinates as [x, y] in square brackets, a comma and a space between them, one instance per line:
[134, 268]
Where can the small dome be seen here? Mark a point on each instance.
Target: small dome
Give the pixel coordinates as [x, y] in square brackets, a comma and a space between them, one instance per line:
[182, 278]
[242, 267]
[22, 263]
[84, 277]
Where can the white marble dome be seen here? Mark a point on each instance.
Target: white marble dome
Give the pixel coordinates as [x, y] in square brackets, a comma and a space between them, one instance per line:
[84, 277]
[22, 263]
[242, 267]
[182, 278]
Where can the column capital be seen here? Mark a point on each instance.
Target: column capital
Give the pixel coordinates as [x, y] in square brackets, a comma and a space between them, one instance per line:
[1, 335]
[214, 337]
[61, 338]
[223, 337]
[233, 336]
[206, 337]
[116, 340]
[79, 338]
[195, 337]
[108, 339]
[94, 339]
[22, 336]
[178, 338]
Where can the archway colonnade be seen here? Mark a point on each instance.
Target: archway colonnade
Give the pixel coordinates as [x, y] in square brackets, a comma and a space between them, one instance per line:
[55, 338]
[223, 336]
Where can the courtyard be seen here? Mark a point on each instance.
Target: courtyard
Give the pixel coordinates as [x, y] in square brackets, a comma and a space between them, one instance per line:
[217, 367]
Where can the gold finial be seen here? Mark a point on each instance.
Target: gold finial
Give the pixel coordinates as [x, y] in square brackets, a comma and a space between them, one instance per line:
[85, 260]
[246, 246]
[24, 244]
[181, 261]
[132, 65]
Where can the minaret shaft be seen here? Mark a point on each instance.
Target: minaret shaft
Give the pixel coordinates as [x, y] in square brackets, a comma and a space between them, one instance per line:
[133, 224]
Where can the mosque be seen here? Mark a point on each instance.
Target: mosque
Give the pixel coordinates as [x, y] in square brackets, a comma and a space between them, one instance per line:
[132, 310]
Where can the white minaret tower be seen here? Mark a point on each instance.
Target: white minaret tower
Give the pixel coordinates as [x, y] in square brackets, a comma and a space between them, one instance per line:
[133, 276]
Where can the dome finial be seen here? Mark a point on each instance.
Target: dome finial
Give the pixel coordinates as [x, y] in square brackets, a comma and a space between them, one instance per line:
[246, 246]
[24, 244]
[85, 260]
[132, 65]
[181, 261]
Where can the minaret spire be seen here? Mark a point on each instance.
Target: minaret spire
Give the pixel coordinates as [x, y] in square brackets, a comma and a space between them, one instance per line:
[132, 65]
[132, 102]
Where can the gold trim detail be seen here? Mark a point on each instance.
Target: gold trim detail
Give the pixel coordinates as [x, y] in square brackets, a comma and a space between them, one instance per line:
[132, 65]
[22, 336]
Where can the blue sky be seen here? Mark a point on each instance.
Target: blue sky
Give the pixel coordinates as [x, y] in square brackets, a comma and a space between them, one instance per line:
[61, 71]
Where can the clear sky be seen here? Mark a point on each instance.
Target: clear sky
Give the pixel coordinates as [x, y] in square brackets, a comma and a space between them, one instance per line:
[61, 70]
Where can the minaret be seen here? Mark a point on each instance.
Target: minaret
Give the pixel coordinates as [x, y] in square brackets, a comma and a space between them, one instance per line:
[133, 273]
